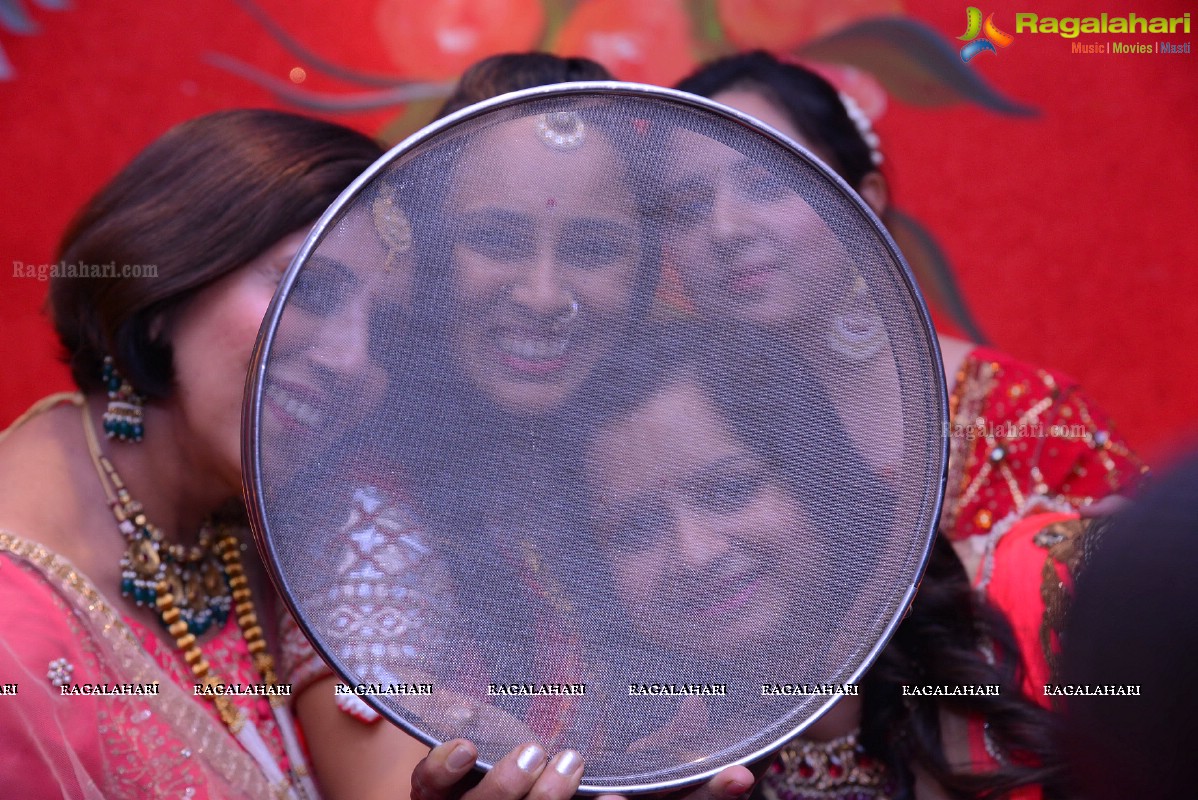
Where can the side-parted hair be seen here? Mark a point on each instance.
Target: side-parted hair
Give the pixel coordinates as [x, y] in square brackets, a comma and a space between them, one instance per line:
[203, 200]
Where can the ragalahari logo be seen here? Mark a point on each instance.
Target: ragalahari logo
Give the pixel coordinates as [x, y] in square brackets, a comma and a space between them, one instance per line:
[991, 35]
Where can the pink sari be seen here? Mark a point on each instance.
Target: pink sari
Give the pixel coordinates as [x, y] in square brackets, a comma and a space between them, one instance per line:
[164, 745]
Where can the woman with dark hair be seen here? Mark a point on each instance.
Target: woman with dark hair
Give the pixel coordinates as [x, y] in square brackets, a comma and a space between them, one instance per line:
[510, 72]
[1010, 455]
[132, 597]
[723, 490]
[536, 267]
[1021, 436]
[723, 528]
[1023, 439]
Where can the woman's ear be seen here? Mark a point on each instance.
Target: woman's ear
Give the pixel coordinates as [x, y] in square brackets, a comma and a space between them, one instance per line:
[875, 192]
[159, 329]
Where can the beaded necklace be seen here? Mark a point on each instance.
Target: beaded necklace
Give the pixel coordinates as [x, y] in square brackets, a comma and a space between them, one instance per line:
[218, 556]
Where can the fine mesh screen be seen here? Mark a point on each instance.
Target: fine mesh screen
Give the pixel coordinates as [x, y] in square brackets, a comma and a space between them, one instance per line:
[598, 416]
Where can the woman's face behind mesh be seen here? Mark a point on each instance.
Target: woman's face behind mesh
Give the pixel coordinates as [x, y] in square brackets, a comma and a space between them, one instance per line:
[696, 528]
[346, 310]
[748, 247]
[546, 249]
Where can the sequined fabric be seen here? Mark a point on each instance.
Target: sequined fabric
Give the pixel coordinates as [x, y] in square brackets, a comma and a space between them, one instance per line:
[836, 770]
[226, 651]
[1019, 433]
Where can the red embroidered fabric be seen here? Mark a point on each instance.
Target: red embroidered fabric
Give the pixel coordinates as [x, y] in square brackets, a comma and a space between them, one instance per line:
[1020, 432]
[231, 662]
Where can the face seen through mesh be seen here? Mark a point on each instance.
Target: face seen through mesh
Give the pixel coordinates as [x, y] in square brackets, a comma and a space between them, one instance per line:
[696, 526]
[570, 483]
[748, 247]
[546, 252]
[343, 307]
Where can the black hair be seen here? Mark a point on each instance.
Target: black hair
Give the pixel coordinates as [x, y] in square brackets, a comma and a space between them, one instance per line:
[1131, 624]
[811, 103]
[759, 385]
[944, 637]
[943, 640]
[203, 200]
[510, 72]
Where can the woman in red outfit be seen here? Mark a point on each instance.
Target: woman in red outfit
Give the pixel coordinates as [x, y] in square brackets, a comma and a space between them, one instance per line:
[1021, 435]
[1024, 440]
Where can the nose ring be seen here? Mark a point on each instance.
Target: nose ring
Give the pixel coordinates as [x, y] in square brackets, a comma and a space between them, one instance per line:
[569, 314]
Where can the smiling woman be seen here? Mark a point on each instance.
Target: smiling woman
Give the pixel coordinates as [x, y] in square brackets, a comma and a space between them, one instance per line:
[535, 265]
[735, 551]
[738, 231]
[544, 277]
[730, 509]
[346, 308]
[127, 560]
[702, 558]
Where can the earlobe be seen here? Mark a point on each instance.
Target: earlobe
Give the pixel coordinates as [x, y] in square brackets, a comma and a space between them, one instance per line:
[875, 192]
[160, 331]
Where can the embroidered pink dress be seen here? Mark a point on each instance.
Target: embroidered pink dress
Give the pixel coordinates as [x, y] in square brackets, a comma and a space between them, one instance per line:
[168, 744]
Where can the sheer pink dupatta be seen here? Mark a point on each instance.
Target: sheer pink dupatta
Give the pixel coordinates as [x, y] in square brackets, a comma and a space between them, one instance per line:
[104, 747]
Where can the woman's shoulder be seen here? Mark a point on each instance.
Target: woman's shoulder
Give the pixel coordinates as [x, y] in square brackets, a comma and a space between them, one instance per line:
[46, 479]
[998, 368]
[1021, 431]
[1013, 389]
[43, 416]
[34, 455]
[43, 599]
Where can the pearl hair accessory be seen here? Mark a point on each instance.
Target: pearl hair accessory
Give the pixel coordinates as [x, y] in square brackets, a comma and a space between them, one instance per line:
[864, 127]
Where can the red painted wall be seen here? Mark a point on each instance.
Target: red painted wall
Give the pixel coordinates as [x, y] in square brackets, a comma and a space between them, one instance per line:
[1073, 234]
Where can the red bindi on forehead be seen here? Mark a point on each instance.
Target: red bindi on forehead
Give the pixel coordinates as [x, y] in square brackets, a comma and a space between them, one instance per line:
[551, 202]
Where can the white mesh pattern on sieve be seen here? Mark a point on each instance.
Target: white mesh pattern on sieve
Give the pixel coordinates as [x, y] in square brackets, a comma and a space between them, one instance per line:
[636, 447]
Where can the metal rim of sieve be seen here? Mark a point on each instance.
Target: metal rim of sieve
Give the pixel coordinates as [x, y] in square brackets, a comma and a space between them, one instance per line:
[252, 449]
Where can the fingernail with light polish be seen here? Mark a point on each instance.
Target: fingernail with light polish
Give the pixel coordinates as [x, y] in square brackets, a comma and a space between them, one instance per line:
[567, 762]
[738, 789]
[461, 757]
[530, 758]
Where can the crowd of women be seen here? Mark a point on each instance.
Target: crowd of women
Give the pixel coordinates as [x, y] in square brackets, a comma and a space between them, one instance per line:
[128, 562]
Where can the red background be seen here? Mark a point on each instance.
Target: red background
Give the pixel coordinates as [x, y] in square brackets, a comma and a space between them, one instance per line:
[1071, 234]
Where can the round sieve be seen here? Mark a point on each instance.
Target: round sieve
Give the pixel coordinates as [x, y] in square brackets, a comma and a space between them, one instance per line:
[604, 416]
